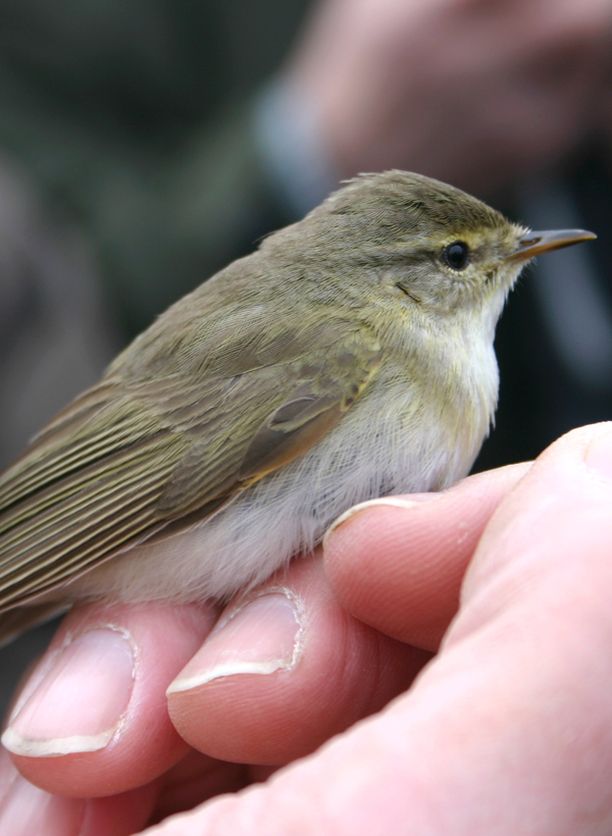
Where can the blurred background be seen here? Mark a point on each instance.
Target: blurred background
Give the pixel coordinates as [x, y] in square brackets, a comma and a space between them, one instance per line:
[143, 145]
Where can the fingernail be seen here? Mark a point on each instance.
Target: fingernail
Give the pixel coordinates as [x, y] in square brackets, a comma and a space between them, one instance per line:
[262, 636]
[389, 501]
[598, 454]
[79, 701]
[25, 810]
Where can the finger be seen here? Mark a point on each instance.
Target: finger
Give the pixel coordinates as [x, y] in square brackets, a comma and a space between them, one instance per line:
[92, 719]
[26, 809]
[397, 563]
[509, 730]
[561, 520]
[284, 669]
[195, 779]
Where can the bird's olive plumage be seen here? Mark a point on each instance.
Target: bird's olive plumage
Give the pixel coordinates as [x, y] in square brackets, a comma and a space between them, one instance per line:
[350, 355]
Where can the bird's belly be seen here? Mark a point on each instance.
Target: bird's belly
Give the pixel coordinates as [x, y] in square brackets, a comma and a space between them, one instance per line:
[385, 444]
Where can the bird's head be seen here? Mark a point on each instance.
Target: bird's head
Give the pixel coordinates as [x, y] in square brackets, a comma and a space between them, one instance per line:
[430, 244]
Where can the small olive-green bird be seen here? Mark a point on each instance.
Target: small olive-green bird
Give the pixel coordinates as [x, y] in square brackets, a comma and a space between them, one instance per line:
[349, 357]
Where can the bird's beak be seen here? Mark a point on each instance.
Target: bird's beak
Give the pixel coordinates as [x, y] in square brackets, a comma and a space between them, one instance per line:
[534, 243]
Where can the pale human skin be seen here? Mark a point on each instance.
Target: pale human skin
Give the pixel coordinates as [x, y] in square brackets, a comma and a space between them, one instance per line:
[513, 88]
[534, 622]
[507, 730]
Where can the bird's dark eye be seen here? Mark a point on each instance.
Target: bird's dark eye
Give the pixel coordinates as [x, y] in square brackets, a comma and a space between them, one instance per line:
[457, 255]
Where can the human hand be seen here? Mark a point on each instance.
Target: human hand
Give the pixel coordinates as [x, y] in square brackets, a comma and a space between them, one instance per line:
[473, 93]
[509, 729]
[518, 682]
[314, 671]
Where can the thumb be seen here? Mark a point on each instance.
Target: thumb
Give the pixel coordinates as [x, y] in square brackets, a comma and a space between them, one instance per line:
[550, 539]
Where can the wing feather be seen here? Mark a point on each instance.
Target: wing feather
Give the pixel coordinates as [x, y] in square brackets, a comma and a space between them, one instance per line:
[111, 429]
[90, 502]
[133, 456]
[101, 510]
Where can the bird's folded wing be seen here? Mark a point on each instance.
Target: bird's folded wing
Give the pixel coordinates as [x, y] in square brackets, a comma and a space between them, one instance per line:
[130, 457]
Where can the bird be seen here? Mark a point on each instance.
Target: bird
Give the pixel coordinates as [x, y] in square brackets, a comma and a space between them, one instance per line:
[350, 356]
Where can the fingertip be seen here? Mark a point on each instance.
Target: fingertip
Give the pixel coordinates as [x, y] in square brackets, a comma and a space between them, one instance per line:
[353, 511]
[26, 809]
[92, 719]
[398, 563]
[261, 634]
[286, 669]
[563, 501]
[389, 573]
